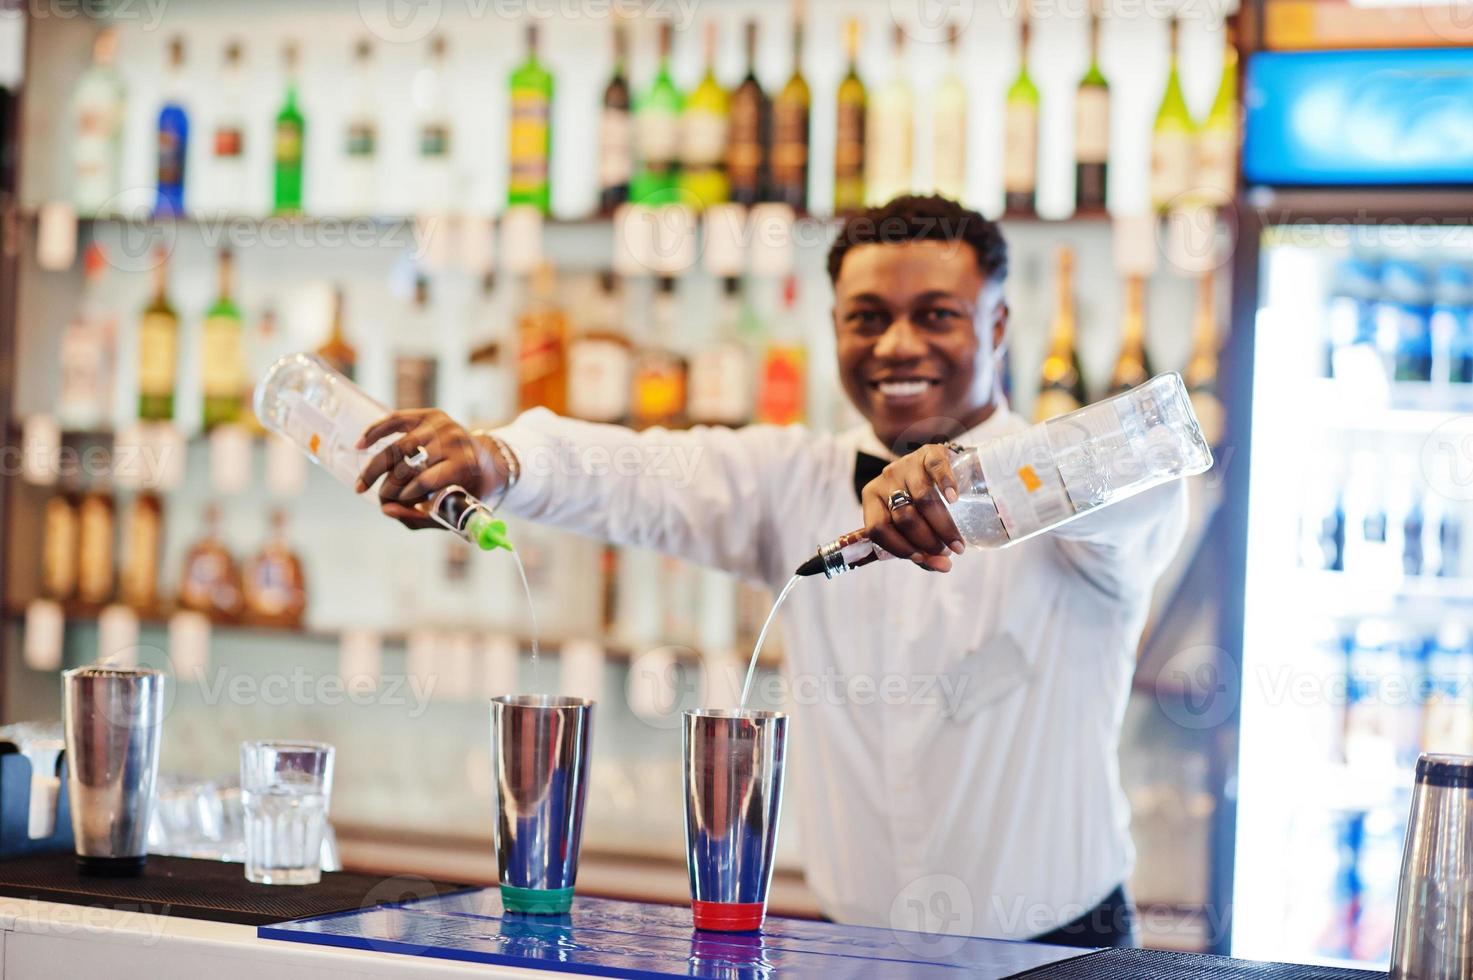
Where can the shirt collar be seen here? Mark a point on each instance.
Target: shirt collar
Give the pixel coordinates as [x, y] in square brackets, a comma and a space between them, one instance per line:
[1001, 420]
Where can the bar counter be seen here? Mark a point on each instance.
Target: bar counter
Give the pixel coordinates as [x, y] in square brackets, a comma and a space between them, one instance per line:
[468, 934]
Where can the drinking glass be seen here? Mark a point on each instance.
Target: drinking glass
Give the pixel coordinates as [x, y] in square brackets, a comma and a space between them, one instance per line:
[284, 788]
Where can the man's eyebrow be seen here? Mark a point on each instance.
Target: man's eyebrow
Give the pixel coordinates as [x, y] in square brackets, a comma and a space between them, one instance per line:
[874, 298]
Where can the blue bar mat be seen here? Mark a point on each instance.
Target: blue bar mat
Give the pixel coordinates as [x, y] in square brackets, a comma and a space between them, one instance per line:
[600, 937]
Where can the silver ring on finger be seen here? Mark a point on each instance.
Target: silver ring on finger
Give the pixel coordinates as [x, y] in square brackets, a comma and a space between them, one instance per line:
[419, 459]
[898, 500]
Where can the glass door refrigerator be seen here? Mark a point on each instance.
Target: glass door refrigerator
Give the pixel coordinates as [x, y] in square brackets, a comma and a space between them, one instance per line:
[1353, 288]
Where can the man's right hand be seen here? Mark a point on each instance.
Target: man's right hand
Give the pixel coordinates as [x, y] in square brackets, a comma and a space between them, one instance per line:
[452, 456]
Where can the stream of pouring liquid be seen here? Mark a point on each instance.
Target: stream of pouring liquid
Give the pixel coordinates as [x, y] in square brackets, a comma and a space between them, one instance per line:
[532, 617]
[752, 666]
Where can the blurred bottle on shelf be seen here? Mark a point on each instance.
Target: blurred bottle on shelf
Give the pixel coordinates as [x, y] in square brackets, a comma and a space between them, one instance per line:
[782, 385]
[88, 353]
[158, 348]
[222, 352]
[949, 125]
[849, 122]
[1133, 365]
[748, 131]
[227, 181]
[600, 358]
[1372, 712]
[59, 546]
[433, 133]
[99, 106]
[96, 532]
[1373, 545]
[489, 386]
[659, 397]
[1217, 142]
[1322, 522]
[1352, 352]
[703, 132]
[210, 581]
[790, 111]
[531, 131]
[417, 352]
[615, 131]
[1020, 132]
[1062, 388]
[720, 371]
[143, 541]
[264, 343]
[1406, 507]
[291, 138]
[1452, 324]
[657, 133]
[273, 584]
[1200, 373]
[1404, 321]
[1447, 722]
[357, 177]
[339, 354]
[173, 137]
[542, 346]
[1092, 128]
[890, 131]
[1172, 137]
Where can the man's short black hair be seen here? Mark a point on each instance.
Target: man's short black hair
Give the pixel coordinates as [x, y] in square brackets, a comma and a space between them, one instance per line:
[922, 218]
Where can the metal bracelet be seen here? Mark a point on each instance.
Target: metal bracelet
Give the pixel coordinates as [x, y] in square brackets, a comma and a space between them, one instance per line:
[513, 465]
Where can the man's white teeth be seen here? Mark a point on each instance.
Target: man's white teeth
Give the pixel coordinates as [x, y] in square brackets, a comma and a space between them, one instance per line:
[903, 389]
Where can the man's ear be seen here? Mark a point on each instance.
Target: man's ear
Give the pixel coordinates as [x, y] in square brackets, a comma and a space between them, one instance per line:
[1000, 326]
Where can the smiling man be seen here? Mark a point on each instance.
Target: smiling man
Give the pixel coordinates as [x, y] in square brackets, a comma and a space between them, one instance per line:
[954, 737]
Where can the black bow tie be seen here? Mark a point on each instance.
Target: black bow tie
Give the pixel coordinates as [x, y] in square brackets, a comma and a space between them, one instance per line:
[866, 468]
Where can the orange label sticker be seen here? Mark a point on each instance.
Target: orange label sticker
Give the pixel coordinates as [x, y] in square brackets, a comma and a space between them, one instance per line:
[1030, 479]
[315, 443]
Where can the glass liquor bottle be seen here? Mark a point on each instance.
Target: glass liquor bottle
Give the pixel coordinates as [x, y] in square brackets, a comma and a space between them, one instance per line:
[273, 585]
[336, 350]
[416, 352]
[600, 359]
[849, 145]
[748, 131]
[949, 129]
[1133, 365]
[720, 370]
[531, 131]
[433, 135]
[210, 581]
[143, 537]
[357, 175]
[158, 348]
[99, 104]
[291, 134]
[783, 383]
[173, 137]
[615, 131]
[657, 133]
[703, 130]
[542, 346]
[228, 181]
[1201, 371]
[222, 366]
[659, 369]
[88, 353]
[1020, 136]
[1217, 142]
[889, 132]
[789, 167]
[1172, 138]
[96, 527]
[1091, 129]
[1062, 390]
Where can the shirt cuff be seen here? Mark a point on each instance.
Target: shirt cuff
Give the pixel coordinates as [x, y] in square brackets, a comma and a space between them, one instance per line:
[534, 450]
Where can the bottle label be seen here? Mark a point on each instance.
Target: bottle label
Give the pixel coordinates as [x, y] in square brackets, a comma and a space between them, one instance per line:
[702, 139]
[529, 140]
[140, 562]
[718, 386]
[1092, 125]
[659, 390]
[288, 143]
[1217, 164]
[434, 141]
[171, 157]
[95, 553]
[1024, 481]
[304, 424]
[362, 139]
[949, 157]
[1099, 450]
[59, 549]
[598, 379]
[780, 397]
[888, 148]
[223, 362]
[744, 146]
[229, 142]
[615, 148]
[158, 353]
[659, 137]
[1171, 166]
[790, 144]
[1020, 147]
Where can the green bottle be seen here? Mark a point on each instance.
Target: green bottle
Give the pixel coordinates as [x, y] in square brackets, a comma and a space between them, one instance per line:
[531, 131]
[1020, 134]
[1217, 144]
[1172, 139]
[1091, 129]
[291, 131]
[703, 128]
[222, 367]
[657, 134]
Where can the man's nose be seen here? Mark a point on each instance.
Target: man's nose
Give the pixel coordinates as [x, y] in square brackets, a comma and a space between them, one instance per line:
[900, 341]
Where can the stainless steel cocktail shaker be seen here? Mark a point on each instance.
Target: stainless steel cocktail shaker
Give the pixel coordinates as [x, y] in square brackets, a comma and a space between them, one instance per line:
[112, 718]
[1434, 908]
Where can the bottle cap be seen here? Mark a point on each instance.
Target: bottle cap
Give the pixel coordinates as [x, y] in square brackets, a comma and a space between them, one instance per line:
[487, 532]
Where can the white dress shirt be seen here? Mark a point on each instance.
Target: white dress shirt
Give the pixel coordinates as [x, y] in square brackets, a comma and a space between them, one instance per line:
[954, 736]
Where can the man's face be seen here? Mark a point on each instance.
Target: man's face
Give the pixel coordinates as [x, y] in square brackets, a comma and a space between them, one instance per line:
[918, 327]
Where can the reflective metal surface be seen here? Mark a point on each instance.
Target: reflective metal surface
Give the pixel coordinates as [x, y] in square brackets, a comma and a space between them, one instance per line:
[539, 752]
[1434, 909]
[733, 795]
[112, 719]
